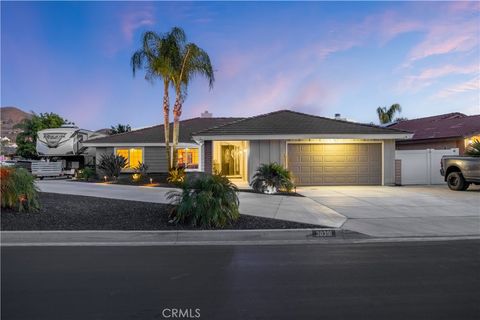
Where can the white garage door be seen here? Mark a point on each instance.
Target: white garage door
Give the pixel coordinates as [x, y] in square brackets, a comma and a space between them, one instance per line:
[336, 164]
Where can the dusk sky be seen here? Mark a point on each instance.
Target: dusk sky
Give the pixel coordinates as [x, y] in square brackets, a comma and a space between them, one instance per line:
[73, 58]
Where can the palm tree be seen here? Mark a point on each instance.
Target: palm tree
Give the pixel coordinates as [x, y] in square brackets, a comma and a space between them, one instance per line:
[386, 115]
[190, 62]
[157, 57]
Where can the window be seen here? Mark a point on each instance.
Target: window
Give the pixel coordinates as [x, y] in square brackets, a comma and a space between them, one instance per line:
[188, 158]
[134, 156]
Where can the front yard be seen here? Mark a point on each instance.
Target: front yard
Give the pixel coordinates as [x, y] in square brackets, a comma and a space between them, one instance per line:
[72, 212]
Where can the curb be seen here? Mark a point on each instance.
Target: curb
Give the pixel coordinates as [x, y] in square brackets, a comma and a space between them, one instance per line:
[97, 237]
[203, 237]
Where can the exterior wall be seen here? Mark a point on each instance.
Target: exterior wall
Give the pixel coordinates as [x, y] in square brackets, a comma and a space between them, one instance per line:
[102, 150]
[437, 144]
[389, 162]
[156, 159]
[207, 156]
[265, 151]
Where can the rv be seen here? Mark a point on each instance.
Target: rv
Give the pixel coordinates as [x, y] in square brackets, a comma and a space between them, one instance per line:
[65, 144]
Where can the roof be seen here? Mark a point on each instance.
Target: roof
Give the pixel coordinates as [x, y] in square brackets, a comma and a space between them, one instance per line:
[450, 125]
[287, 122]
[155, 134]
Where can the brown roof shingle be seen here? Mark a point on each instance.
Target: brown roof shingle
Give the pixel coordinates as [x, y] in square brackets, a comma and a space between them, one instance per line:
[285, 122]
[156, 134]
[450, 125]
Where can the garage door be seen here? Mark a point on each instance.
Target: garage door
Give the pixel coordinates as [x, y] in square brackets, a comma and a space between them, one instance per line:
[336, 164]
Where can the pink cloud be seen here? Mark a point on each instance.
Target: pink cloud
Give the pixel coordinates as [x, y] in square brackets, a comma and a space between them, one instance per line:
[429, 76]
[133, 20]
[467, 86]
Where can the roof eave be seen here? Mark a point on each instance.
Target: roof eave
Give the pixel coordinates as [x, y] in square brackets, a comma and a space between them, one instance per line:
[382, 136]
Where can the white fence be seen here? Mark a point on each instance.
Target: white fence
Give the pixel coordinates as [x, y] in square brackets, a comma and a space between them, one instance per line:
[422, 166]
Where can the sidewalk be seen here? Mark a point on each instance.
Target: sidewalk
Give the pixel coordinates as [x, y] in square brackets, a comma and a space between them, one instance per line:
[289, 208]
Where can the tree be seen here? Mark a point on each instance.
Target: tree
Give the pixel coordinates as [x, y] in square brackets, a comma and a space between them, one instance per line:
[156, 56]
[386, 115]
[190, 61]
[27, 139]
[120, 128]
[473, 149]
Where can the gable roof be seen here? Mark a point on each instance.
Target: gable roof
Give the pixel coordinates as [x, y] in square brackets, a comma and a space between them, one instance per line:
[287, 122]
[450, 125]
[156, 134]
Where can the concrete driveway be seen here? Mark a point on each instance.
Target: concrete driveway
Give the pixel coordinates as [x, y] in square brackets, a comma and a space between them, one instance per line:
[298, 209]
[403, 211]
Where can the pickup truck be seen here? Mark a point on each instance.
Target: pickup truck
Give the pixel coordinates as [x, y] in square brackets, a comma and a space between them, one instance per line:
[460, 172]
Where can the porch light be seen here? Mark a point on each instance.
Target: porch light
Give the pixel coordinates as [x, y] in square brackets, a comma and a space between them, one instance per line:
[151, 180]
[105, 178]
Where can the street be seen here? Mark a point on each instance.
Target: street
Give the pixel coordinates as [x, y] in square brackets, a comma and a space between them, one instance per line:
[408, 280]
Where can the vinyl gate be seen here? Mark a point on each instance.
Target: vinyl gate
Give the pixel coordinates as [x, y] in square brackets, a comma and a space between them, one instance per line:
[422, 166]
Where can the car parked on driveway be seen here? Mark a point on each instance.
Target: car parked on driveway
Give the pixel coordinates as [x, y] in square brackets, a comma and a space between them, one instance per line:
[460, 172]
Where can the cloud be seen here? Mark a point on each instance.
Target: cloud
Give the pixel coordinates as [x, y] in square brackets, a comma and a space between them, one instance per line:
[467, 86]
[135, 19]
[429, 76]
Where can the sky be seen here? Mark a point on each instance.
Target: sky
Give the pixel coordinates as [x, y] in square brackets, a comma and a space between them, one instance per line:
[322, 58]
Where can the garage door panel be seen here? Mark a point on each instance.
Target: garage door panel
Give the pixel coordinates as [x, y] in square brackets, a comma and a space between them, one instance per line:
[336, 164]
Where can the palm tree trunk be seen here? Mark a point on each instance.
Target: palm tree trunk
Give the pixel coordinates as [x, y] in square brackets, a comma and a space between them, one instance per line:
[177, 112]
[166, 124]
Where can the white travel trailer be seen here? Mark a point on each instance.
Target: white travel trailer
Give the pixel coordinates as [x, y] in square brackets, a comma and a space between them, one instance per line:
[65, 144]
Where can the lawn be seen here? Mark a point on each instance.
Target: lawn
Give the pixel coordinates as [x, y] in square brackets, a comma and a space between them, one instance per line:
[70, 212]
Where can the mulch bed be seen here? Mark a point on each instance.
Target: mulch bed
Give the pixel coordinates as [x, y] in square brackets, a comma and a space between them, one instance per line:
[71, 212]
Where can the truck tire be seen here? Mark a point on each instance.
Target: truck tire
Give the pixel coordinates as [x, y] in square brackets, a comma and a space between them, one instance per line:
[456, 181]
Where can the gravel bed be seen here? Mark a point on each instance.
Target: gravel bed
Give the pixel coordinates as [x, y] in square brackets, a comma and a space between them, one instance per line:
[71, 212]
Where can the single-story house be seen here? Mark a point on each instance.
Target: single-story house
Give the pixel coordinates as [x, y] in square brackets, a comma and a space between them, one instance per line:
[317, 150]
[445, 131]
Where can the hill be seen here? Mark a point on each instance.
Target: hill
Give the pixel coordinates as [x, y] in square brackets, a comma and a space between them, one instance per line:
[11, 116]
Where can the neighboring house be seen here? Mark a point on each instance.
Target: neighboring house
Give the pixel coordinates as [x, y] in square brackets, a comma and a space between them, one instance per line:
[445, 131]
[317, 150]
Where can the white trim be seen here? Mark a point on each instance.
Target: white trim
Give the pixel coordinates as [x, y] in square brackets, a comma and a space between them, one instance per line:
[139, 144]
[382, 142]
[397, 136]
[129, 170]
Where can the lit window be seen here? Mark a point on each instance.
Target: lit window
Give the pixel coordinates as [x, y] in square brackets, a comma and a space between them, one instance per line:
[188, 158]
[134, 156]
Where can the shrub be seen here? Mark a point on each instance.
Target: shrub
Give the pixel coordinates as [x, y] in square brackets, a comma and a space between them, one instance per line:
[473, 149]
[112, 164]
[271, 178]
[87, 174]
[176, 176]
[208, 201]
[18, 190]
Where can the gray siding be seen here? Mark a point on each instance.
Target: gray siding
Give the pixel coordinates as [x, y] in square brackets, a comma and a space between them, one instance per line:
[207, 156]
[102, 150]
[156, 159]
[389, 162]
[265, 151]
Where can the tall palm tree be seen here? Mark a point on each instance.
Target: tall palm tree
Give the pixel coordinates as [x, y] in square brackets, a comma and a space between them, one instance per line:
[386, 115]
[157, 56]
[192, 61]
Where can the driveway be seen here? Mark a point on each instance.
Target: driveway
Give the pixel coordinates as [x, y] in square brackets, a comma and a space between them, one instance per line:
[299, 209]
[403, 211]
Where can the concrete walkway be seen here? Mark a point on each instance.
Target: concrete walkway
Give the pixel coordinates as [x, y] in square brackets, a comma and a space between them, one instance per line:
[299, 209]
[403, 211]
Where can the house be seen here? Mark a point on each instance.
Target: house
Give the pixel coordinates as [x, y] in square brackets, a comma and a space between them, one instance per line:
[445, 131]
[317, 150]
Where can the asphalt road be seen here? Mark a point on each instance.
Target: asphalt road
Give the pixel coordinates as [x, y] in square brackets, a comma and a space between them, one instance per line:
[421, 280]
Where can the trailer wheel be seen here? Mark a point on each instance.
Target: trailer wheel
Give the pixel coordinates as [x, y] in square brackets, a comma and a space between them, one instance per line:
[456, 181]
